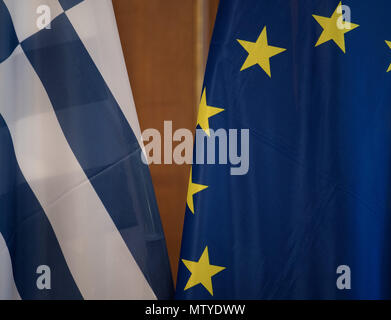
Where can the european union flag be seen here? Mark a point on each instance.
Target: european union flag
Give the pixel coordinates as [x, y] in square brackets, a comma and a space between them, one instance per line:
[311, 219]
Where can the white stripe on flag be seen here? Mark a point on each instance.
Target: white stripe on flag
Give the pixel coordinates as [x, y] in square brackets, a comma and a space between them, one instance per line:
[25, 16]
[97, 256]
[8, 290]
[104, 46]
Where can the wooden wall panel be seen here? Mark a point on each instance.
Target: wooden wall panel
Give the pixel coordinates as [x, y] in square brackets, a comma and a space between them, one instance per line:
[159, 40]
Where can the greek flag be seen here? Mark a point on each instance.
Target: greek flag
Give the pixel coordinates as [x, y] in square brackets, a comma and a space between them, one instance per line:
[78, 216]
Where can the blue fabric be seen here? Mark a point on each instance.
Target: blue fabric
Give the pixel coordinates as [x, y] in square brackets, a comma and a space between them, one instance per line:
[318, 191]
[8, 38]
[68, 4]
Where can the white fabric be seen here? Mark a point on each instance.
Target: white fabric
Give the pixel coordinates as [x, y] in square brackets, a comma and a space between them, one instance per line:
[24, 15]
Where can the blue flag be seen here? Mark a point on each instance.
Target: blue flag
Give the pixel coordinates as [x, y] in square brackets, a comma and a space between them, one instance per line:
[311, 219]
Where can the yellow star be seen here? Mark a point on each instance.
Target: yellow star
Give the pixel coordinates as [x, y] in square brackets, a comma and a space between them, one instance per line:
[193, 189]
[259, 52]
[389, 44]
[201, 272]
[334, 28]
[205, 112]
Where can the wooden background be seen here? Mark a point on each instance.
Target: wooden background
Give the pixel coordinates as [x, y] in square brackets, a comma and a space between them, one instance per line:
[165, 43]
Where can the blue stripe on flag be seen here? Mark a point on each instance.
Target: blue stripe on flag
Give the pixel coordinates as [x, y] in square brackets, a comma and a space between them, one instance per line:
[67, 4]
[104, 145]
[28, 233]
[8, 38]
